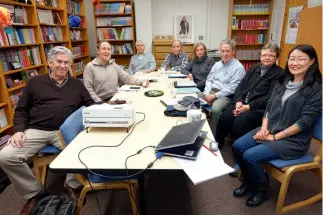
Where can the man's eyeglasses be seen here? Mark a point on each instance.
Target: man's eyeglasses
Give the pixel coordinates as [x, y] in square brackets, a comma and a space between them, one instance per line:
[268, 56]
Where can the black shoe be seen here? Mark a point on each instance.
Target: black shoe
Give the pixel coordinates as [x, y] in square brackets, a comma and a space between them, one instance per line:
[234, 174]
[258, 198]
[241, 191]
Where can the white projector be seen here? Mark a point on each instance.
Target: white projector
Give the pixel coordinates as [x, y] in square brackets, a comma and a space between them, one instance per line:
[106, 115]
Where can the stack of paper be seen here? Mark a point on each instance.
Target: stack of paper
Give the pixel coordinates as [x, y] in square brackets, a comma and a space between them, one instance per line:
[207, 166]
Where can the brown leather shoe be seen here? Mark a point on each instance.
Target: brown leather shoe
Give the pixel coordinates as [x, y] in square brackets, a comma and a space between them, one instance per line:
[26, 210]
[74, 194]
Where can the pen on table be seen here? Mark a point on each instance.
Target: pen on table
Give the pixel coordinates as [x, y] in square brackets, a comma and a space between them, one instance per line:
[161, 101]
[210, 150]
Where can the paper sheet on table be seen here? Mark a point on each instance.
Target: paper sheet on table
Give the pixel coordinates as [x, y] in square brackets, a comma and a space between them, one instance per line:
[207, 166]
[127, 88]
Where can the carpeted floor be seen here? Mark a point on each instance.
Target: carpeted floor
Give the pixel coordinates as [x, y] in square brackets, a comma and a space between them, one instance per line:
[172, 193]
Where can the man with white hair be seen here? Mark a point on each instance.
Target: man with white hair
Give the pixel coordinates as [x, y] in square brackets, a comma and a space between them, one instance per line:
[46, 102]
[142, 61]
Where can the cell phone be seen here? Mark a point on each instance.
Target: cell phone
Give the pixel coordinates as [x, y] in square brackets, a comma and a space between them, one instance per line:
[134, 88]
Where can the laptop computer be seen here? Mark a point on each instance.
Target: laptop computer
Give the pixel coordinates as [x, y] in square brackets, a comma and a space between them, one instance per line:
[184, 83]
[182, 140]
[188, 151]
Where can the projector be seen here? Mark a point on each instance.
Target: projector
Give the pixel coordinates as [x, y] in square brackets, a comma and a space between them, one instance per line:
[106, 115]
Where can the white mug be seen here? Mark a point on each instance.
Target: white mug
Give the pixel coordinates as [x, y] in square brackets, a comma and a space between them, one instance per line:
[195, 115]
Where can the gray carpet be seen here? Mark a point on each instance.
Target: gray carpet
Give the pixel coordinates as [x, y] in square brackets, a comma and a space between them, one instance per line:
[174, 194]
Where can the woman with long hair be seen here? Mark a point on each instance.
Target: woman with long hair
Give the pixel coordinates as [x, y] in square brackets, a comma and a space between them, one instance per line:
[286, 131]
[200, 66]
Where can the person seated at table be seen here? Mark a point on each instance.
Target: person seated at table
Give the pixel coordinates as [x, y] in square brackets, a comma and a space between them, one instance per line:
[177, 59]
[286, 130]
[246, 111]
[102, 75]
[200, 66]
[222, 81]
[46, 102]
[142, 61]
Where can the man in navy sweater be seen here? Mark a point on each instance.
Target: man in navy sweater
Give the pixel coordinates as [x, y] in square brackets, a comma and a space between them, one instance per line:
[46, 102]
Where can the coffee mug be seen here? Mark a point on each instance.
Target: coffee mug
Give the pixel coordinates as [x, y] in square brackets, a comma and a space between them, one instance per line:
[195, 115]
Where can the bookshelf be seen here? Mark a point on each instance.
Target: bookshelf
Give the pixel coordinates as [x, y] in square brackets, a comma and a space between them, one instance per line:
[249, 24]
[24, 45]
[114, 21]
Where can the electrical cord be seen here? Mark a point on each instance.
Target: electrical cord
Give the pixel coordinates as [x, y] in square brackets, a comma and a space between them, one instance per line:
[127, 173]
[179, 120]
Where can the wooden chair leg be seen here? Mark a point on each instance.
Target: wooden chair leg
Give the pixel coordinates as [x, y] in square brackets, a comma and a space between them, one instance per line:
[282, 195]
[133, 197]
[240, 176]
[36, 171]
[44, 175]
[81, 199]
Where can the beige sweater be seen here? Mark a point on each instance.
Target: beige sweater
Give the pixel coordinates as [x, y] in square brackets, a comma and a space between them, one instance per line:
[102, 80]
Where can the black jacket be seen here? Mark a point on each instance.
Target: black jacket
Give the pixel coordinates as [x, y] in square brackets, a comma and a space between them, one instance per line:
[200, 69]
[260, 88]
[303, 108]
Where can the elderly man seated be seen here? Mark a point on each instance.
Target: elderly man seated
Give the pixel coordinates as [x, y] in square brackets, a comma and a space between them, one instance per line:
[46, 102]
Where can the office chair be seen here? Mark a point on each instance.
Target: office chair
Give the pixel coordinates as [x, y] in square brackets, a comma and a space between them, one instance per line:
[67, 132]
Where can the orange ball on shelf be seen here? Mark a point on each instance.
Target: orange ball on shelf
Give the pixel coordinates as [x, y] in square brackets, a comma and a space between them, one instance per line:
[5, 17]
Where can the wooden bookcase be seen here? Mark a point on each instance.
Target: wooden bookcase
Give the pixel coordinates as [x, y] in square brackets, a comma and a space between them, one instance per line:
[34, 60]
[249, 25]
[116, 16]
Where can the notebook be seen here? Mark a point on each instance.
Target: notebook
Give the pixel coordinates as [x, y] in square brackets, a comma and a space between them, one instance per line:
[184, 83]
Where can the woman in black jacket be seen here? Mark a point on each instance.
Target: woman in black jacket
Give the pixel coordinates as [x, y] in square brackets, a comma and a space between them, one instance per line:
[248, 106]
[200, 66]
[286, 131]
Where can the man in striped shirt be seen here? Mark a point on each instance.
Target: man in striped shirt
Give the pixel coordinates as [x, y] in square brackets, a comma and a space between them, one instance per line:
[222, 81]
[177, 59]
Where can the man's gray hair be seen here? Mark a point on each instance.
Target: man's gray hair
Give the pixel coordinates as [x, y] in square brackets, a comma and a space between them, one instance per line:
[140, 41]
[180, 42]
[51, 55]
[232, 43]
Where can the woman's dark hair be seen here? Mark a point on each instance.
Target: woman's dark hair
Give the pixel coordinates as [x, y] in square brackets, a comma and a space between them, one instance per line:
[313, 73]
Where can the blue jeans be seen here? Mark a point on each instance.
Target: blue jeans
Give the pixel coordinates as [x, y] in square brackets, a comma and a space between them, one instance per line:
[250, 156]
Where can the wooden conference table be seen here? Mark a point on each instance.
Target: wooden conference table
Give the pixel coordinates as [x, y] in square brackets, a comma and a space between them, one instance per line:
[111, 161]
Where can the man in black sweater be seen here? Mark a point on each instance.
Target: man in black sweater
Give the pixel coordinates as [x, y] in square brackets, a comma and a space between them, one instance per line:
[46, 102]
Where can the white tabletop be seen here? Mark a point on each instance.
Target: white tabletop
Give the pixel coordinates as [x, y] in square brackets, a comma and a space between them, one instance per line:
[149, 132]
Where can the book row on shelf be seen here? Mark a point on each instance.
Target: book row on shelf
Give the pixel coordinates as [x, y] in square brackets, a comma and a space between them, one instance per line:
[20, 57]
[79, 50]
[251, 9]
[247, 64]
[114, 34]
[3, 118]
[49, 3]
[111, 21]
[73, 7]
[49, 17]
[51, 34]
[79, 66]
[246, 39]
[75, 35]
[248, 54]
[122, 49]
[249, 23]
[17, 36]
[112, 8]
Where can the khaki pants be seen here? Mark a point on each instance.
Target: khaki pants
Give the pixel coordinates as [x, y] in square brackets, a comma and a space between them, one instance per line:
[13, 162]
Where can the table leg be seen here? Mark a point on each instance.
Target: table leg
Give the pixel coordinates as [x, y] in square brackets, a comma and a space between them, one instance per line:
[142, 202]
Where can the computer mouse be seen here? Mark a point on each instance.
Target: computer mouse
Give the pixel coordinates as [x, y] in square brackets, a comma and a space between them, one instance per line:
[214, 146]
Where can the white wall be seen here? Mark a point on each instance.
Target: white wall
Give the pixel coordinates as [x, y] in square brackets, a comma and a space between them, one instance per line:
[155, 17]
[90, 26]
[277, 20]
[210, 18]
